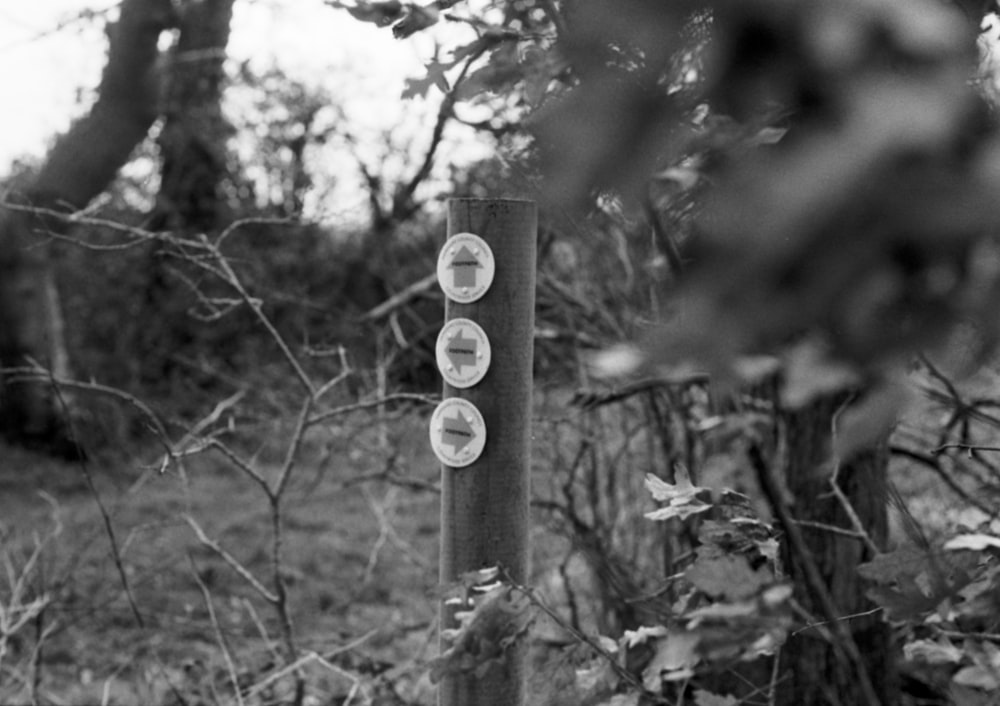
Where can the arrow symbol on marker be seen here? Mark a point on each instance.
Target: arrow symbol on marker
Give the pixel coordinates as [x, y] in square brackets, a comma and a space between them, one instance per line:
[464, 266]
[457, 432]
[461, 351]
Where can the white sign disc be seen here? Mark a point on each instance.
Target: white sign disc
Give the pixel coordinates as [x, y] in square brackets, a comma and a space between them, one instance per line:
[463, 353]
[465, 268]
[458, 432]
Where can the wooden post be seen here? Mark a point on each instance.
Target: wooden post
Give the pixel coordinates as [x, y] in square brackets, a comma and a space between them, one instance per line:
[484, 506]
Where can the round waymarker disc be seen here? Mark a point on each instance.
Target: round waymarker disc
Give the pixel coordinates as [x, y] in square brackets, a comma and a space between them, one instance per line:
[458, 433]
[463, 353]
[465, 268]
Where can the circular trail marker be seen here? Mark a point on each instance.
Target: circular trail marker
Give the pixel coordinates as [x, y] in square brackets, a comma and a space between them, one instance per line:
[463, 353]
[465, 268]
[458, 433]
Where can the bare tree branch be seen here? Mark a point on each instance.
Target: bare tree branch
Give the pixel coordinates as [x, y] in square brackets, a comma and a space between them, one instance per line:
[400, 299]
[220, 637]
[369, 404]
[231, 560]
[844, 647]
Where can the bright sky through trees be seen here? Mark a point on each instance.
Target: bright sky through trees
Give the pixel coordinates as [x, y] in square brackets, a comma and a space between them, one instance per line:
[52, 53]
[43, 66]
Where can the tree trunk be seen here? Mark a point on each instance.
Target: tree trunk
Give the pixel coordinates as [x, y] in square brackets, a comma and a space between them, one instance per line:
[194, 174]
[817, 668]
[80, 165]
[195, 132]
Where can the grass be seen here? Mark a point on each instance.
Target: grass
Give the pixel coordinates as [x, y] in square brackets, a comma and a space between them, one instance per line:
[360, 564]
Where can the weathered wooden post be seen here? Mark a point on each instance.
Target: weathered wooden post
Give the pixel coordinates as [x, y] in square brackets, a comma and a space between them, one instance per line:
[481, 432]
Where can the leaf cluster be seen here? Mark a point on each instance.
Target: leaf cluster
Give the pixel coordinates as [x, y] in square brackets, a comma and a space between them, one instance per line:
[947, 603]
[491, 619]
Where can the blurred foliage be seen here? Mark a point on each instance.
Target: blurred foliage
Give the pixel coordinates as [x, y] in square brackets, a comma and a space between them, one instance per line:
[863, 224]
[851, 160]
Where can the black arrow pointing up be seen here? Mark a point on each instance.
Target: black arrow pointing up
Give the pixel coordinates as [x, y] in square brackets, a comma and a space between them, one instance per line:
[463, 268]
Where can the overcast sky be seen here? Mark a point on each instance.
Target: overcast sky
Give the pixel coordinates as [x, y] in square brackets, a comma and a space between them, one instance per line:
[51, 60]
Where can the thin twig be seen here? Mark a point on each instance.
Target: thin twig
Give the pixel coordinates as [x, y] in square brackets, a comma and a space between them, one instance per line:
[356, 684]
[823, 527]
[294, 445]
[772, 685]
[401, 298]
[278, 576]
[353, 644]
[99, 501]
[220, 638]
[852, 616]
[345, 372]
[809, 620]
[404, 196]
[390, 478]
[231, 560]
[255, 221]
[262, 629]
[368, 404]
[622, 673]
[383, 533]
[280, 674]
[211, 418]
[842, 498]
[957, 635]
[36, 373]
[240, 463]
[846, 648]
[934, 464]
[306, 659]
[234, 281]
[80, 218]
[964, 447]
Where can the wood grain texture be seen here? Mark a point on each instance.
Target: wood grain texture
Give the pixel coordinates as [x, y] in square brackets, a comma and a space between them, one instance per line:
[484, 508]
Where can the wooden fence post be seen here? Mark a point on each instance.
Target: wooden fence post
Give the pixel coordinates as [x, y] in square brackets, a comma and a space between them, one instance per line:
[484, 505]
